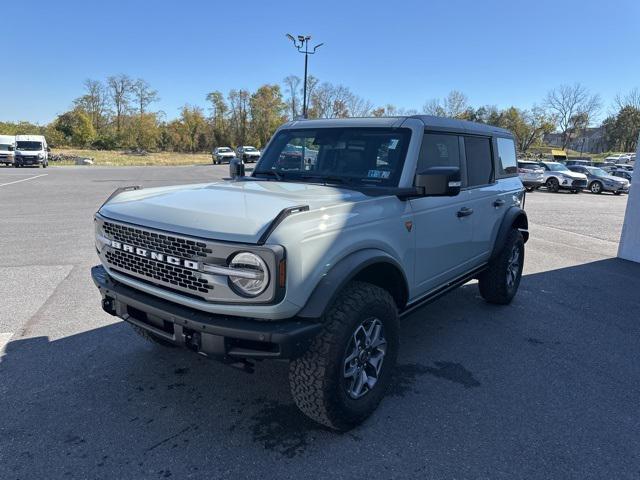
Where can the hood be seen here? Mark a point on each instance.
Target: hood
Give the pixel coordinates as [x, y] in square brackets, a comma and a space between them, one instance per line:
[226, 154]
[236, 211]
[613, 178]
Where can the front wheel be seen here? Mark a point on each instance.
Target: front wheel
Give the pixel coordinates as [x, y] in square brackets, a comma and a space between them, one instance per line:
[553, 185]
[596, 187]
[345, 373]
[500, 281]
[617, 193]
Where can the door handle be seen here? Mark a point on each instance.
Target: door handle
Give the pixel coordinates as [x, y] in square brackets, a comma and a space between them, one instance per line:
[464, 212]
[499, 202]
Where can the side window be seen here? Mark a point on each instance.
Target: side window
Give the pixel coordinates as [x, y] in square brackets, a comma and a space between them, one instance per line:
[439, 150]
[479, 162]
[507, 164]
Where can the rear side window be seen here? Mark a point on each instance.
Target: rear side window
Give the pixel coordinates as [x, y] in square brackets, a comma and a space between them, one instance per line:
[506, 157]
[439, 150]
[479, 162]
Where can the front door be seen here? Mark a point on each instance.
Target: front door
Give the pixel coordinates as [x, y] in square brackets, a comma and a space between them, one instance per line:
[443, 225]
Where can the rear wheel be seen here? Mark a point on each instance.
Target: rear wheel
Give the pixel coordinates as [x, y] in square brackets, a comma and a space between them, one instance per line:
[596, 187]
[499, 282]
[617, 193]
[345, 373]
[553, 185]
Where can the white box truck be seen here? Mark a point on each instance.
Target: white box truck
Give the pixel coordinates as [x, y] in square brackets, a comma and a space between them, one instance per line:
[7, 149]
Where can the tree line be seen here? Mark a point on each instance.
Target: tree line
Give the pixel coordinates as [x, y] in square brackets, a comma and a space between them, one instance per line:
[118, 113]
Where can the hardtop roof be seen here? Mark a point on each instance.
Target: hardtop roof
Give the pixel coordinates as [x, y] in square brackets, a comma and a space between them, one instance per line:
[430, 122]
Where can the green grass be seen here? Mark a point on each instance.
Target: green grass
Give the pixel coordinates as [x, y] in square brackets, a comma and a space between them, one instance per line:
[118, 158]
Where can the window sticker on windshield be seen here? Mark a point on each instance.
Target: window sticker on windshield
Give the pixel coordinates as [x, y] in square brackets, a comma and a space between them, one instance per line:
[378, 174]
[393, 143]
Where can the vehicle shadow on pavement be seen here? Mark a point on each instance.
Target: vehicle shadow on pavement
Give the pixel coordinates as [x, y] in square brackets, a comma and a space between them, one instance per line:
[544, 387]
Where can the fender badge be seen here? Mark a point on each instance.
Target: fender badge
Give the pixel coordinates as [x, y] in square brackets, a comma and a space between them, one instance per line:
[409, 225]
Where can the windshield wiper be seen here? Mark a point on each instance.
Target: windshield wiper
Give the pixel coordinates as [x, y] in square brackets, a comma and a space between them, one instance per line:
[329, 178]
[273, 173]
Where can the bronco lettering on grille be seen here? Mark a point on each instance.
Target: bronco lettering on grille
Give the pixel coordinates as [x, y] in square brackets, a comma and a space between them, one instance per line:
[159, 257]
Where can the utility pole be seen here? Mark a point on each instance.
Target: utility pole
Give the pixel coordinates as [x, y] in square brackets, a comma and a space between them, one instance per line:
[302, 45]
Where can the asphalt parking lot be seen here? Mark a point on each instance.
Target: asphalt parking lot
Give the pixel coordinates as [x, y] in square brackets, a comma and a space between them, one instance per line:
[548, 387]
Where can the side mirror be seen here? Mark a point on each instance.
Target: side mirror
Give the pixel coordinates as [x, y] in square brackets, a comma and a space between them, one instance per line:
[236, 168]
[48, 149]
[439, 181]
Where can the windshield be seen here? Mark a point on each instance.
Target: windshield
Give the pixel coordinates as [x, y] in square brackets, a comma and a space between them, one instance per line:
[224, 150]
[557, 167]
[598, 172]
[365, 156]
[249, 149]
[30, 146]
[6, 146]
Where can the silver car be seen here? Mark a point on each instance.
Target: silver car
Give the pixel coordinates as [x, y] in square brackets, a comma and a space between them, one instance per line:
[531, 174]
[222, 154]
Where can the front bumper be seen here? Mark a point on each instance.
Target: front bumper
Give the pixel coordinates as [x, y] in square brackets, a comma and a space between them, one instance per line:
[209, 334]
[7, 160]
[28, 161]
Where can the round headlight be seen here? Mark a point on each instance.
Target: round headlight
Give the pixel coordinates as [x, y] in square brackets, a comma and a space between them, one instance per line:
[252, 277]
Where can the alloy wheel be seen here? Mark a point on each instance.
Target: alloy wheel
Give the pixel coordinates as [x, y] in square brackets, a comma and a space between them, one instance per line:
[513, 267]
[364, 357]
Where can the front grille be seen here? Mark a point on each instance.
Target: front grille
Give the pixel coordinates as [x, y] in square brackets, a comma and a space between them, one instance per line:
[579, 183]
[179, 247]
[170, 274]
[155, 271]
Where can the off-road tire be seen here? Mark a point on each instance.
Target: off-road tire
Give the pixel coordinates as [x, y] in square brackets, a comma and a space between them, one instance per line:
[492, 282]
[150, 337]
[552, 184]
[316, 379]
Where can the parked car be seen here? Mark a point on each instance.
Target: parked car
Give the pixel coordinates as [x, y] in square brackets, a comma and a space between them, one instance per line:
[248, 153]
[558, 177]
[619, 158]
[222, 154]
[624, 166]
[31, 150]
[578, 162]
[622, 173]
[7, 149]
[316, 266]
[600, 181]
[531, 174]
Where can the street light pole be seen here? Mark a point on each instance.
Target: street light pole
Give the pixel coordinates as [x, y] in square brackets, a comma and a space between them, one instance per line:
[302, 42]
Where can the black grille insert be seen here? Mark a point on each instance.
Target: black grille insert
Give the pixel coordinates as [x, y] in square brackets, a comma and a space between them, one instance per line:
[171, 274]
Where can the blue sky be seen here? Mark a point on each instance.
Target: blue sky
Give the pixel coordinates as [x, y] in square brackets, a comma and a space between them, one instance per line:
[403, 52]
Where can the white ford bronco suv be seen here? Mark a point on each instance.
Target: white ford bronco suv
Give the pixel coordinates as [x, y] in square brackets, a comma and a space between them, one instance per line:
[344, 226]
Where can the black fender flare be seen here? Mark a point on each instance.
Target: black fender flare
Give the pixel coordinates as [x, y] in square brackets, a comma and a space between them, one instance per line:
[515, 217]
[342, 273]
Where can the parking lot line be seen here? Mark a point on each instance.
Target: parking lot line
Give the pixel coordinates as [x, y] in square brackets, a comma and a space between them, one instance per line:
[24, 179]
[4, 339]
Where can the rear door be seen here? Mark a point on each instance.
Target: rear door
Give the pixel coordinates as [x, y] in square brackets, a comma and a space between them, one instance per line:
[442, 228]
[486, 196]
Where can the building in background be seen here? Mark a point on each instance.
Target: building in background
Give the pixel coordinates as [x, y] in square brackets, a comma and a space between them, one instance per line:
[590, 140]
